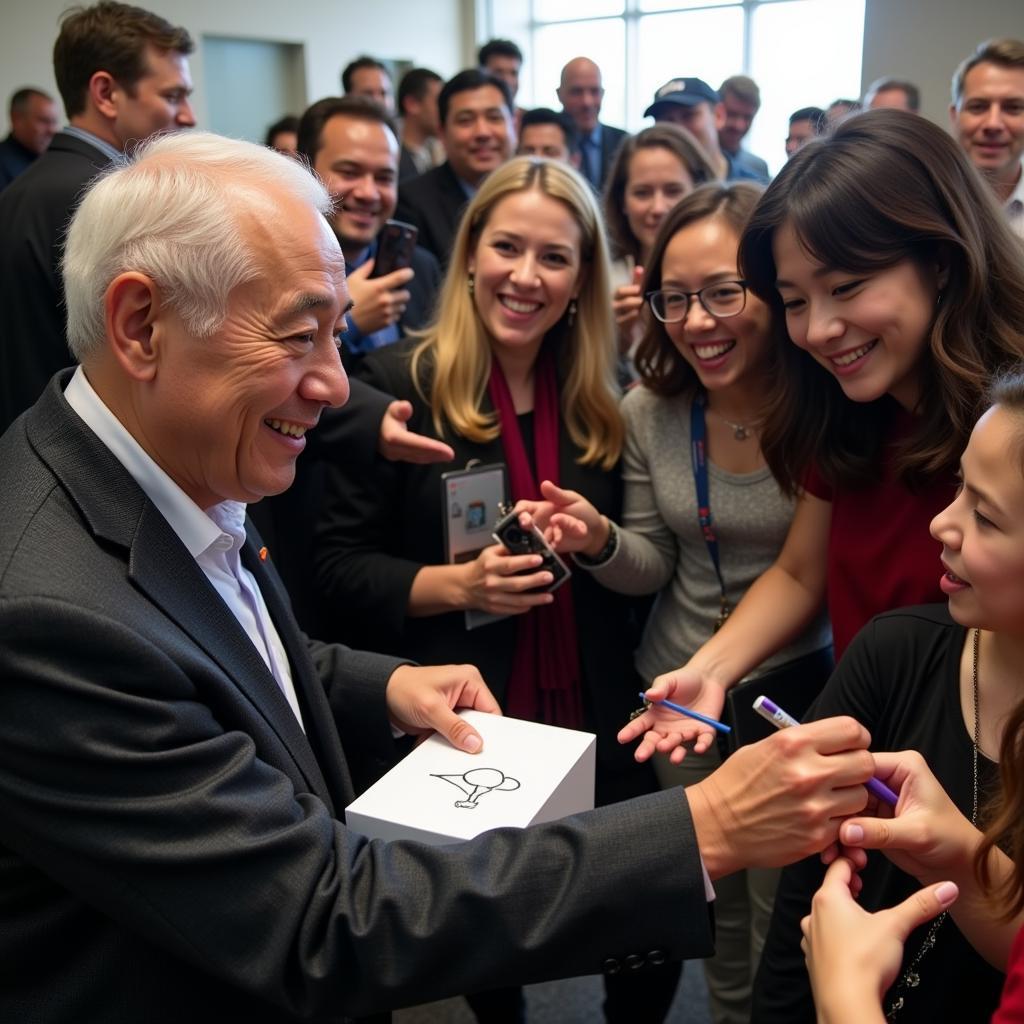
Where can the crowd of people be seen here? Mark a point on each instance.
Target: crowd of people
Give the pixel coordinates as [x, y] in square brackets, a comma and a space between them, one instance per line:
[775, 428]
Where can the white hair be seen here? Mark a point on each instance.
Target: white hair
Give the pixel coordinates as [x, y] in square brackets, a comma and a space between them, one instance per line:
[173, 212]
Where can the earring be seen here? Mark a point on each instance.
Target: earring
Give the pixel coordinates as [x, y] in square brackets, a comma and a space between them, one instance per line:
[572, 312]
[471, 284]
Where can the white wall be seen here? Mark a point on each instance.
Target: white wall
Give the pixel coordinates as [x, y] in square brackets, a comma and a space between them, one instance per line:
[924, 41]
[435, 33]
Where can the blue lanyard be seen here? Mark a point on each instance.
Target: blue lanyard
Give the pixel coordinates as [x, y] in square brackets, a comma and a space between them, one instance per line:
[698, 457]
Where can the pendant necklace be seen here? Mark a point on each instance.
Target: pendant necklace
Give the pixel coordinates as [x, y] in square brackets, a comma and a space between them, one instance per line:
[740, 431]
[911, 978]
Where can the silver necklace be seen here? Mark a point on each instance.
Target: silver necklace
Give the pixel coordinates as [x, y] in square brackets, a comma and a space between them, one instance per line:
[741, 431]
[911, 978]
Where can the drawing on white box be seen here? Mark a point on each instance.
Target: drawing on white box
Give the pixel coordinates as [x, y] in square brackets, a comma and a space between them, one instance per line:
[478, 781]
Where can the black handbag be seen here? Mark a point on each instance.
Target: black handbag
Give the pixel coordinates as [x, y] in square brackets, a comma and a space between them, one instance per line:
[792, 686]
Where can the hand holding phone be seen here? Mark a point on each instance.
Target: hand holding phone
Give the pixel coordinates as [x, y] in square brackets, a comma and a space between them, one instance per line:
[396, 244]
[522, 540]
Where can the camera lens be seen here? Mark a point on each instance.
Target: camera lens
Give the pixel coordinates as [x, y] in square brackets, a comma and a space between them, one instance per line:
[515, 535]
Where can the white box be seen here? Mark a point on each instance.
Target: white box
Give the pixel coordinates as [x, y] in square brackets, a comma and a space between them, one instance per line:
[527, 773]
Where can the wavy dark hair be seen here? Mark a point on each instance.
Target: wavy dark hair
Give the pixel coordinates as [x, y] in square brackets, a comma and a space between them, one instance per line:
[885, 187]
[657, 360]
[681, 144]
[1005, 816]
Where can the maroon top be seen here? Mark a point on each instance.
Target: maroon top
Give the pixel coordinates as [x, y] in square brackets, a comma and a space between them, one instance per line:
[880, 553]
[1011, 1006]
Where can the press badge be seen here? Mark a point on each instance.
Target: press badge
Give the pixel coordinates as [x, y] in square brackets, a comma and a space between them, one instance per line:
[472, 501]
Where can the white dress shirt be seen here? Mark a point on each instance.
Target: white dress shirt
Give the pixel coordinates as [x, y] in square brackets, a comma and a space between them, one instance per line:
[213, 537]
[1014, 206]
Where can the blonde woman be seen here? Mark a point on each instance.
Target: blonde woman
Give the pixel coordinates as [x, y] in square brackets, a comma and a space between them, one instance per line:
[518, 368]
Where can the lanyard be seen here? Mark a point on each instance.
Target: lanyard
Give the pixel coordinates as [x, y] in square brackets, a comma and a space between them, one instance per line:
[698, 458]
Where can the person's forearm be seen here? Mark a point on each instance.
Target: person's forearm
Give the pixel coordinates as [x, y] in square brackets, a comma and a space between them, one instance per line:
[773, 612]
[437, 589]
[847, 1006]
[639, 566]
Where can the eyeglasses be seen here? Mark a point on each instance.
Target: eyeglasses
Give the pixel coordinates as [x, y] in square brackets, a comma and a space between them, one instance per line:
[721, 299]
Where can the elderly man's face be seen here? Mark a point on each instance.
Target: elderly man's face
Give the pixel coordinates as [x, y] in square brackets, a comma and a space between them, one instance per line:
[228, 413]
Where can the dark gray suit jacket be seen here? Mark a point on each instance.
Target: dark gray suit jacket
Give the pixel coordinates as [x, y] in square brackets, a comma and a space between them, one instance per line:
[34, 214]
[170, 842]
[434, 203]
[611, 140]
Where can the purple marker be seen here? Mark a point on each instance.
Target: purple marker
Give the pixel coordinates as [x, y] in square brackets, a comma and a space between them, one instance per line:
[771, 712]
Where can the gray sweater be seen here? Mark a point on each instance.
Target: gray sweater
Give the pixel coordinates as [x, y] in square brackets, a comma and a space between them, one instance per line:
[661, 547]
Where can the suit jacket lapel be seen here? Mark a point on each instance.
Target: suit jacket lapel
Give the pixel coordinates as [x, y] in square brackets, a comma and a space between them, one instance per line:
[316, 711]
[159, 566]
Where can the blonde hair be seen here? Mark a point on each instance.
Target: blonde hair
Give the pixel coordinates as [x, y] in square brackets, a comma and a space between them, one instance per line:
[458, 349]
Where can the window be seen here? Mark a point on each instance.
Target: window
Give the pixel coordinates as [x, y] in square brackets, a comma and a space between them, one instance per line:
[800, 52]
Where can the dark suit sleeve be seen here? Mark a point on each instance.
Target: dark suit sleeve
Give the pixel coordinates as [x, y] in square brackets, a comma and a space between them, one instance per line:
[360, 518]
[146, 807]
[409, 211]
[423, 290]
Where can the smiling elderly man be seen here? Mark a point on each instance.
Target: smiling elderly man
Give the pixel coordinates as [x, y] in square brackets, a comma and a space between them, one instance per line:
[172, 775]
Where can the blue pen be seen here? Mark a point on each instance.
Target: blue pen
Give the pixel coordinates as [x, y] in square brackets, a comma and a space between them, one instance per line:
[771, 711]
[689, 714]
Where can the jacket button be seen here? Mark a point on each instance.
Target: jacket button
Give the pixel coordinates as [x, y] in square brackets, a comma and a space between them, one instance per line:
[656, 957]
[634, 962]
[611, 966]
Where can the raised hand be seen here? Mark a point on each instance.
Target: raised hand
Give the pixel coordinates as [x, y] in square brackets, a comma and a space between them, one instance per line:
[380, 301]
[853, 956]
[568, 521]
[664, 731]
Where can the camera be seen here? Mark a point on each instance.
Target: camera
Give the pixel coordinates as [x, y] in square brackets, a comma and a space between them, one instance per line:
[521, 541]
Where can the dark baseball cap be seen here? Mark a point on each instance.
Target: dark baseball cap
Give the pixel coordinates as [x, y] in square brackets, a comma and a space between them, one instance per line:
[685, 92]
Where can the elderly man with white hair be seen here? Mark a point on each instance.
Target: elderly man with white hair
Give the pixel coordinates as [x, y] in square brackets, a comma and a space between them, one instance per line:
[172, 775]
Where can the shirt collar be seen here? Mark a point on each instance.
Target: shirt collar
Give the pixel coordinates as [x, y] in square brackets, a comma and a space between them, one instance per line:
[194, 527]
[95, 141]
[370, 250]
[1015, 204]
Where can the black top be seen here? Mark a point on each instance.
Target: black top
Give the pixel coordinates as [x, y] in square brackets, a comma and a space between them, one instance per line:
[378, 529]
[434, 203]
[901, 679]
[34, 213]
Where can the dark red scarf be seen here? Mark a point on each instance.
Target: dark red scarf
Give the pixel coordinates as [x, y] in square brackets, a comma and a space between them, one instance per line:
[544, 682]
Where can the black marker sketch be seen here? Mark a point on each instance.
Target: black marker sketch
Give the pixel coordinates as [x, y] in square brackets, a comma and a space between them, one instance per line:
[478, 781]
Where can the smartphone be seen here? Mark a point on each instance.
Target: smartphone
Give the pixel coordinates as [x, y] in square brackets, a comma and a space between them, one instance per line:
[520, 541]
[395, 246]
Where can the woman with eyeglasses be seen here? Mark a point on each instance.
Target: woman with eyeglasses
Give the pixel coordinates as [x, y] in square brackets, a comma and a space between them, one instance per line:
[692, 442]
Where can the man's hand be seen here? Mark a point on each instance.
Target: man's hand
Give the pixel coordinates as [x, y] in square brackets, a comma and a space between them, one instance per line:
[398, 443]
[380, 301]
[421, 701]
[853, 956]
[665, 731]
[777, 801]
